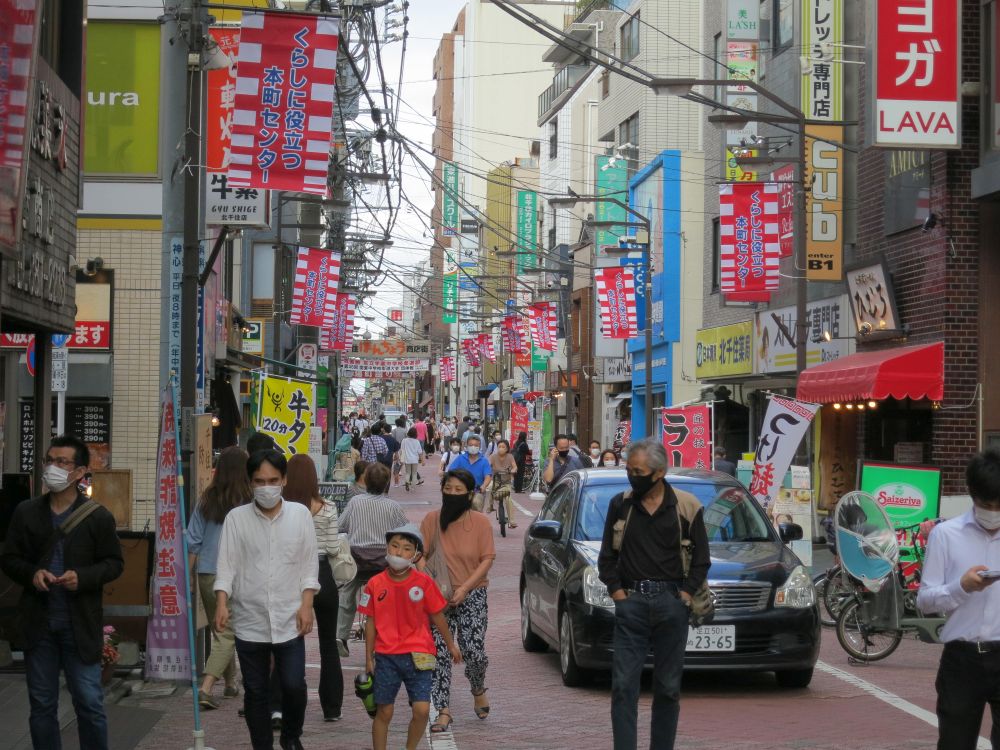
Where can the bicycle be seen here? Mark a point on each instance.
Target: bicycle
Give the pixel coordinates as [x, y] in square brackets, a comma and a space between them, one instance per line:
[501, 490]
[833, 587]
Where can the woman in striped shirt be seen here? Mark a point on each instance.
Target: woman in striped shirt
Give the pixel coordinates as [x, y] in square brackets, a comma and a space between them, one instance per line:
[302, 486]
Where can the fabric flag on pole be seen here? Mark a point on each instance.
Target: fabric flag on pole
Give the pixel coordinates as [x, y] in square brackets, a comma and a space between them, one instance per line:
[515, 337]
[687, 436]
[749, 226]
[616, 296]
[314, 293]
[486, 346]
[785, 423]
[220, 101]
[470, 349]
[283, 113]
[168, 649]
[544, 325]
[447, 366]
[338, 336]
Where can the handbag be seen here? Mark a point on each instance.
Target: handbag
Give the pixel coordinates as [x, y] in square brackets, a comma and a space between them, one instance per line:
[702, 603]
[343, 565]
[437, 566]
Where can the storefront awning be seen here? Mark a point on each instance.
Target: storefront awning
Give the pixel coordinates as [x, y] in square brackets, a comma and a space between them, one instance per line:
[914, 372]
[617, 398]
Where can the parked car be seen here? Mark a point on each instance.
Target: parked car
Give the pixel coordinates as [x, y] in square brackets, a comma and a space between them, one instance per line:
[766, 615]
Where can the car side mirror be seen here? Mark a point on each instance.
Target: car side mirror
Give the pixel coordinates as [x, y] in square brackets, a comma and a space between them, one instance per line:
[789, 532]
[551, 530]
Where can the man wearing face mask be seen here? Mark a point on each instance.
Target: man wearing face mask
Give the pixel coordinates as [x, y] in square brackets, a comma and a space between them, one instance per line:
[963, 557]
[62, 548]
[473, 462]
[269, 567]
[640, 563]
[561, 460]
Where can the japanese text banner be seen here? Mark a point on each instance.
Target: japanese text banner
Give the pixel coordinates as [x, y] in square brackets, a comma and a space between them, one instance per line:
[687, 436]
[750, 249]
[447, 366]
[314, 293]
[485, 341]
[286, 412]
[515, 338]
[338, 336]
[382, 368]
[544, 326]
[616, 296]
[283, 112]
[168, 648]
[519, 417]
[785, 423]
[470, 349]
[220, 100]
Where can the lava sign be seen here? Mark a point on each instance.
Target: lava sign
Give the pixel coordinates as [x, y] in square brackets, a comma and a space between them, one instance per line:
[907, 494]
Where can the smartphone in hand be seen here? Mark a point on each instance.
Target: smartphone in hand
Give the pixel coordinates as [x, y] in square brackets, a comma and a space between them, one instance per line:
[988, 574]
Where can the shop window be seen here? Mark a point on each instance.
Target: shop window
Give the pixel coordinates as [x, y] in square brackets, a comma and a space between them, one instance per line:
[782, 25]
[630, 38]
[896, 422]
[554, 137]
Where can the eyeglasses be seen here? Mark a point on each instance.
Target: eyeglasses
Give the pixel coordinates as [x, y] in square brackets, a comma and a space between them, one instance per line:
[63, 463]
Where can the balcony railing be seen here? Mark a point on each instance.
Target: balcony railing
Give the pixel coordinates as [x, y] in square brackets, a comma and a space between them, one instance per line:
[564, 80]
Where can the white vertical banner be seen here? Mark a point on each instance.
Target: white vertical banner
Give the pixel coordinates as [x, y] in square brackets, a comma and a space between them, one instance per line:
[785, 423]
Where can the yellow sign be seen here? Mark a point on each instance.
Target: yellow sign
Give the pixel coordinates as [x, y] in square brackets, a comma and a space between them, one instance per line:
[736, 173]
[235, 16]
[825, 204]
[287, 409]
[724, 350]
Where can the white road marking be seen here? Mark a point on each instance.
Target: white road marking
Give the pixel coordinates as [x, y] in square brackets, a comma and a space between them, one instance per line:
[521, 508]
[891, 698]
[440, 740]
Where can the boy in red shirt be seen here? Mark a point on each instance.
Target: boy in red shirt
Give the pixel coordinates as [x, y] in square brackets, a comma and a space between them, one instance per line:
[400, 603]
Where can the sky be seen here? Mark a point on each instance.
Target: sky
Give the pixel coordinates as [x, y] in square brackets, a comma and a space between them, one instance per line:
[428, 20]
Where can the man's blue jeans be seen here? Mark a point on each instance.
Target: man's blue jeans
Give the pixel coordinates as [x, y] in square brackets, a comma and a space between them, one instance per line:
[290, 668]
[54, 651]
[641, 622]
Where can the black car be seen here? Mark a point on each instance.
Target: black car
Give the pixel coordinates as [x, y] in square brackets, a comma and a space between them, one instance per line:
[766, 616]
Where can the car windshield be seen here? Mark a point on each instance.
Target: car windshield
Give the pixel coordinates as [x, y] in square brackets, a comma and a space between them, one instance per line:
[730, 514]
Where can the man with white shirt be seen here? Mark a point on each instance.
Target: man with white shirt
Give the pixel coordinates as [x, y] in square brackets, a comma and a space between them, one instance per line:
[269, 568]
[962, 555]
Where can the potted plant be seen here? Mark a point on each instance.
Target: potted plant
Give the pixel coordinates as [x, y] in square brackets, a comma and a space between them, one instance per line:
[109, 654]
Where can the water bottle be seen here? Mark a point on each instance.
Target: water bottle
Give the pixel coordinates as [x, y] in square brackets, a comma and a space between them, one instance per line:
[364, 688]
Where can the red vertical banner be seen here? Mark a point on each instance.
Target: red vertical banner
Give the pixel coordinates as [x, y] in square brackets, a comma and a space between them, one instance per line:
[616, 296]
[447, 367]
[314, 292]
[515, 338]
[338, 336]
[470, 349]
[518, 420]
[916, 87]
[687, 436]
[785, 177]
[750, 249]
[17, 40]
[544, 325]
[220, 101]
[283, 112]
[485, 342]
[168, 649]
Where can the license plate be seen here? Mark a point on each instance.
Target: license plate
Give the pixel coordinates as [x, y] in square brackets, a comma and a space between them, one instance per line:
[712, 638]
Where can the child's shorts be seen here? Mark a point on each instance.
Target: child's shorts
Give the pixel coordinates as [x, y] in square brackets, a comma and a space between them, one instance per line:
[393, 670]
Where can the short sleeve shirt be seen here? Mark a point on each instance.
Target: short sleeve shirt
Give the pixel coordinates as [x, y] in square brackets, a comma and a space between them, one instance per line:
[480, 468]
[402, 611]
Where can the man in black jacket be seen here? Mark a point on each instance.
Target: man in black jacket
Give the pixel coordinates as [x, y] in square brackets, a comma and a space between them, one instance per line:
[641, 564]
[63, 548]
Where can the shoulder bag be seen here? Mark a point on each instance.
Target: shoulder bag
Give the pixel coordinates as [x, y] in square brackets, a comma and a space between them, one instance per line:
[343, 565]
[702, 603]
[437, 565]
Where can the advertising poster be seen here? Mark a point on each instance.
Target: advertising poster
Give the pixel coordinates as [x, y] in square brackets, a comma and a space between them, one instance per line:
[907, 494]
[796, 506]
[518, 420]
[687, 436]
[527, 229]
[286, 412]
[785, 424]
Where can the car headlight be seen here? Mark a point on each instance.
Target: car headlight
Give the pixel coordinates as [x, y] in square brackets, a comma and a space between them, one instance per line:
[595, 593]
[797, 592]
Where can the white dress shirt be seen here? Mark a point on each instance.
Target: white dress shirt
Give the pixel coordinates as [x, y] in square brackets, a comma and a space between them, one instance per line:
[264, 566]
[953, 547]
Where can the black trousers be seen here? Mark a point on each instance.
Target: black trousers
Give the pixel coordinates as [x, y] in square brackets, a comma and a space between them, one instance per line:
[967, 682]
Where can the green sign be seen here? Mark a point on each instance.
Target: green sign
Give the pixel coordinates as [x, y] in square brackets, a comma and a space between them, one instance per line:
[907, 494]
[611, 181]
[449, 293]
[122, 102]
[539, 359]
[546, 432]
[527, 229]
[450, 220]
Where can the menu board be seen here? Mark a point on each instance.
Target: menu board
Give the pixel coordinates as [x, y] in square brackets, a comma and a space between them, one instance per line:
[88, 419]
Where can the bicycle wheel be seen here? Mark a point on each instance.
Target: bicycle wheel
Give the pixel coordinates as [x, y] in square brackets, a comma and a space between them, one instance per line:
[502, 515]
[836, 590]
[860, 641]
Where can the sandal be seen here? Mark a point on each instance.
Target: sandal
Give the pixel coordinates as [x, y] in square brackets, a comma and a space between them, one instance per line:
[440, 726]
[482, 711]
[512, 525]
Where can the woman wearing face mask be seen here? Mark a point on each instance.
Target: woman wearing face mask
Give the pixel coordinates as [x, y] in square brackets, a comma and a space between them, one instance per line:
[448, 456]
[465, 538]
[504, 467]
[608, 460]
[595, 451]
[229, 488]
[302, 487]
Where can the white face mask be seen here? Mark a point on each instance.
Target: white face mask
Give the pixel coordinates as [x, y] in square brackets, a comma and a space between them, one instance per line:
[473, 450]
[267, 496]
[595, 452]
[988, 519]
[55, 479]
[397, 563]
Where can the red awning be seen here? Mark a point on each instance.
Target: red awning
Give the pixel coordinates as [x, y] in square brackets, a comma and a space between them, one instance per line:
[904, 372]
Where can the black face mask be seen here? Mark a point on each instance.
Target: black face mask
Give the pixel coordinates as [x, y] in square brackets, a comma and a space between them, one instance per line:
[641, 485]
[453, 506]
[564, 454]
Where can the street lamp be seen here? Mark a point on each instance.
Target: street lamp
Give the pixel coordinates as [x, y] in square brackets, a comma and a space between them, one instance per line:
[642, 239]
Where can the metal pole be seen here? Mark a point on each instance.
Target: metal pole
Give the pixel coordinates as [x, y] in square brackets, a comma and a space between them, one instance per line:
[277, 295]
[647, 258]
[801, 290]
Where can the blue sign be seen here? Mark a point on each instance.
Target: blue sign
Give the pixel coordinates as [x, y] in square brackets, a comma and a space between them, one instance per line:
[638, 265]
[60, 339]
